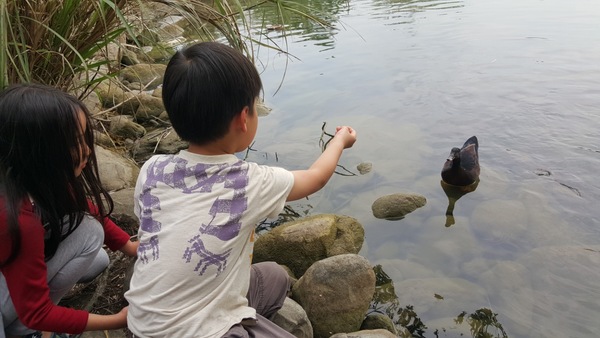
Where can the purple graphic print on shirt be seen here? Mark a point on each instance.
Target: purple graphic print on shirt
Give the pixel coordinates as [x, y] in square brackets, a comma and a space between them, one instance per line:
[233, 177]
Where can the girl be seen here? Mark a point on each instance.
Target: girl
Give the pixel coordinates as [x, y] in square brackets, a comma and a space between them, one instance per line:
[53, 213]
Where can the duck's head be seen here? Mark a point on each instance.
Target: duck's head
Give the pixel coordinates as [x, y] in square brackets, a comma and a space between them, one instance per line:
[454, 155]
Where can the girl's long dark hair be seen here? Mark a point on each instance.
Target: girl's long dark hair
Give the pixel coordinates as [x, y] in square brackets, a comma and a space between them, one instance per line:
[40, 138]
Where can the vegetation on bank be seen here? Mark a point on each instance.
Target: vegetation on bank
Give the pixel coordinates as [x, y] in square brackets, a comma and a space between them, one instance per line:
[65, 43]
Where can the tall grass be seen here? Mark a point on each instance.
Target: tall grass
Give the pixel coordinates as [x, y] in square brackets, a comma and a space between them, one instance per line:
[56, 41]
[52, 41]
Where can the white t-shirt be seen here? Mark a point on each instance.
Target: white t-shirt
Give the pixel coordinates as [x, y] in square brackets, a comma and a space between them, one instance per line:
[197, 219]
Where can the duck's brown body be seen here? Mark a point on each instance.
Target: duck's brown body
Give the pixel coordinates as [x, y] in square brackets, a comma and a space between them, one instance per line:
[462, 166]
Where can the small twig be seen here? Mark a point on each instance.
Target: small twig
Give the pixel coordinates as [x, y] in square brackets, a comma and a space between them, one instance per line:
[107, 134]
[166, 133]
[322, 143]
[348, 172]
[248, 150]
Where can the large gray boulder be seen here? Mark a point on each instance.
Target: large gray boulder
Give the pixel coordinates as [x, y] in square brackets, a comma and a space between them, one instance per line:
[300, 243]
[335, 293]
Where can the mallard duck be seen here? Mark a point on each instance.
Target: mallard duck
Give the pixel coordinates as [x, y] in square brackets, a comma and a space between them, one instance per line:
[462, 166]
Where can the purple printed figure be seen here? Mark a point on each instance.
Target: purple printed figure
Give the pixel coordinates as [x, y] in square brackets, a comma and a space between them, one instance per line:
[236, 178]
[207, 258]
[149, 202]
[152, 245]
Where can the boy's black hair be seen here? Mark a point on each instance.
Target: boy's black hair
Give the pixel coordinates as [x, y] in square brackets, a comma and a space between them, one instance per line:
[205, 86]
[40, 142]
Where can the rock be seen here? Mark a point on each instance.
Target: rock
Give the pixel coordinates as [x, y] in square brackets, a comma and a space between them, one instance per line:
[150, 107]
[292, 318]
[164, 141]
[335, 293]
[123, 213]
[376, 321]
[396, 206]
[112, 52]
[160, 53]
[157, 92]
[364, 167]
[300, 243]
[92, 102]
[129, 58]
[143, 76]
[102, 139]
[124, 127]
[379, 333]
[112, 95]
[148, 37]
[116, 171]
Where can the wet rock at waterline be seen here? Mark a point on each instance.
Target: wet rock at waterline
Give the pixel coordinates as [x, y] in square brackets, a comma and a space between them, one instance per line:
[379, 333]
[396, 206]
[300, 243]
[364, 167]
[377, 321]
[335, 293]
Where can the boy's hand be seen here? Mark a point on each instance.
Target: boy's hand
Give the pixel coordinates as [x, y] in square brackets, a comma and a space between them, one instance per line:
[346, 134]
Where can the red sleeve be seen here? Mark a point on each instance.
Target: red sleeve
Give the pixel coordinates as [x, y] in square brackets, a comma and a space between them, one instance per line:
[26, 280]
[114, 237]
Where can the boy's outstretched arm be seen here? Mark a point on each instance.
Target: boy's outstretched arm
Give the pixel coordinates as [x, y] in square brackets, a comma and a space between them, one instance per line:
[314, 178]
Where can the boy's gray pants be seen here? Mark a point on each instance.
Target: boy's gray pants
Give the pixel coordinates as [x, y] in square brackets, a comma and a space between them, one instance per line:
[269, 286]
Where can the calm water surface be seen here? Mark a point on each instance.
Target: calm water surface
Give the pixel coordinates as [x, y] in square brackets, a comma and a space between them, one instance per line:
[416, 78]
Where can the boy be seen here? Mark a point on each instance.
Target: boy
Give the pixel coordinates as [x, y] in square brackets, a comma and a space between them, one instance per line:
[198, 209]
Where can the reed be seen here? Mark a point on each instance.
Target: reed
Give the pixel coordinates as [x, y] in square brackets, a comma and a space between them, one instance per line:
[56, 42]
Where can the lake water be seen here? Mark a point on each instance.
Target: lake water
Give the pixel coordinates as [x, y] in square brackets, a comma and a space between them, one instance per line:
[416, 78]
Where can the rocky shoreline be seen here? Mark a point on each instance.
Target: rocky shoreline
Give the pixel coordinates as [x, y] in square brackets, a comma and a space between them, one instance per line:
[333, 285]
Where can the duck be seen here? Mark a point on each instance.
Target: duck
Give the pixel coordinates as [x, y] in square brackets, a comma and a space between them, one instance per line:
[462, 165]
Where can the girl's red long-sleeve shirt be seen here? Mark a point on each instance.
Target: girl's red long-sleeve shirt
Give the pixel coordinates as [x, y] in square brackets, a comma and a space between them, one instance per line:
[26, 276]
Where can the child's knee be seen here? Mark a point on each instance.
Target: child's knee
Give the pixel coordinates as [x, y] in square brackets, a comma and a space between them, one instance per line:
[273, 272]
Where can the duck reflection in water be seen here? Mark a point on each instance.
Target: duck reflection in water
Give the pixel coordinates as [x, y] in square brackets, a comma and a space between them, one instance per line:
[454, 193]
[460, 174]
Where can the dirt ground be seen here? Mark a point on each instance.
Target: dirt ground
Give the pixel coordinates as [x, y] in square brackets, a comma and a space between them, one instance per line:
[104, 295]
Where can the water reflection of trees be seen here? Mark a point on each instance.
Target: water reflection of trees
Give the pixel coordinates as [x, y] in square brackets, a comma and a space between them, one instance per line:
[419, 5]
[483, 323]
[302, 27]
